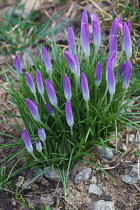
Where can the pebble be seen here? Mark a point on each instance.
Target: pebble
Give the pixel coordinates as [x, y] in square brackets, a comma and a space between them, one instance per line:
[103, 205]
[36, 173]
[93, 179]
[93, 188]
[52, 174]
[131, 138]
[106, 153]
[83, 175]
[129, 179]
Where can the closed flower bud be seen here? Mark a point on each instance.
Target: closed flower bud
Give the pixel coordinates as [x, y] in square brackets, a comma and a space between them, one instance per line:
[69, 114]
[98, 74]
[71, 41]
[33, 109]
[85, 39]
[39, 82]
[114, 26]
[120, 71]
[67, 88]
[127, 41]
[71, 62]
[84, 87]
[111, 81]
[38, 146]
[30, 82]
[127, 74]
[51, 93]
[27, 141]
[50, 110]
[113, 44]
[17, 65]
[47, 60]
[41, 134]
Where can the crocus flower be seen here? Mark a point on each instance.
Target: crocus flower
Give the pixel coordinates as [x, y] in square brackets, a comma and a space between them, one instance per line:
[128, 23]
[77, 64]
[113, 44]
[51, 92]
[33, 109]
[114, 26]
[30, 82]
[71, 62]
[96, 32]
[110, 62]
[85, 39]
[27, 141]
[84, 87]
[127, 41]
[71, 41]
[47, 60]
[69, 114]
[50, 110]
[84, 17]
[41, 134]
[120, 71]
[98, 74]
[127, 74]
[38, 146]
[39, 82]
[67, 88]
[111, 81]
[17, 65]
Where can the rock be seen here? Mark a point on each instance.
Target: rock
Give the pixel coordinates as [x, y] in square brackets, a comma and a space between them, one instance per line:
[131, 138]
[93, 179]
[83, 175]
[129, 179]
[52, 174]
[93, 188]
[124, 147]
[106, 153]
[36, 173]
[103, 205]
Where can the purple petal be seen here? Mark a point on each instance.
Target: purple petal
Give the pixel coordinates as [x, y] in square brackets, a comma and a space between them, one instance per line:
[33, 109]
[38, 146]
[17, 64]
[41, 134]
[98, 74]
[67, 88]
[113, 44]
[127, 41]
[27, 141]
[111, 81]
[71, 62]
[30, 82]
[85, 39]
[50, 110]
[51, 92]
[114, 26]
[39, 82]
[110, 62]
[77, 64]
[127, 74]
[128, 23]
[47, 60]
[120, 71]
[84, 17]
[71, 41]
[84, 87]
[69, 114]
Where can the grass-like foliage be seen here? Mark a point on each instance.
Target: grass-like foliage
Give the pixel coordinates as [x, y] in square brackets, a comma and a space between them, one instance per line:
[70, 103]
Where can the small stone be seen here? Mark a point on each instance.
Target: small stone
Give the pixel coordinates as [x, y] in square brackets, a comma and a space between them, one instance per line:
[83, 175]
[124, 147]
[93, 179]
[106, 153]
[52, 174]
[36, 173]
[103, 205]
[131, 138]
[130, 179]
[93, 188]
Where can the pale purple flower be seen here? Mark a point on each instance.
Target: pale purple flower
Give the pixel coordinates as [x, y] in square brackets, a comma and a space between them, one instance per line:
[47, 60]
[50, 110]
[77, 64]
[128, 23]
[84, 17]
[127, 74]
[67, 88]
[41, 134]
[27, 141]
[84, 87]
[85, 39]
[38, 146]
[114, 26]
[51, 93]
[127, 41]
[17, 64]
[98, 74]
[96, 32]
[111, 81]
[69, 114]
[120, 71]
[71, 41]
[30, 82]
[39, 82]
[33, 109]
[71, 62]
[113, 44]
[110, 62]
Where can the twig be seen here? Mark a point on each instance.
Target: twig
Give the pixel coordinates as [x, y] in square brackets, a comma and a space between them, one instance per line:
[111, 167]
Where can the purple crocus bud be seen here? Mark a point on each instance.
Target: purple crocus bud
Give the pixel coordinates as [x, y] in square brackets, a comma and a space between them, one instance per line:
[47, 60]
[27, 141]
[120, 71]
[39, 82]
[110, 62]
[41, 134]
[128, 23]
[67, 88]
[113, 44]
[71, 41]
[84, 17]
[51, 92]
[71, 62]
[77, 64]
[114, 26]
[98, 74]
[84, 87]
[96, 32]
[111, 81]
[38, 146]
[17, 64]
[30, 82]
[69, 114]
[50, 110]
[85, 39]
[33, 109]
[127, 41]
[127, 74]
